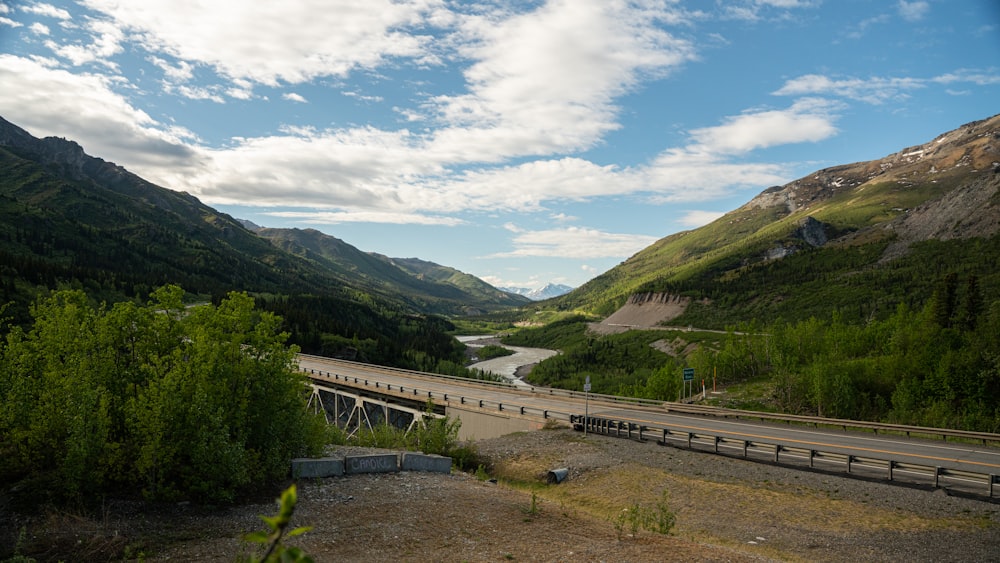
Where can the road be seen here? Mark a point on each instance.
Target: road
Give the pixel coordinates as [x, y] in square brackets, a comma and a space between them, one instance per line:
[933, 453]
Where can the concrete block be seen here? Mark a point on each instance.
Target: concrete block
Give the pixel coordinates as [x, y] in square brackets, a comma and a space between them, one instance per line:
[376, 463]
[413, 461]
[308, 468]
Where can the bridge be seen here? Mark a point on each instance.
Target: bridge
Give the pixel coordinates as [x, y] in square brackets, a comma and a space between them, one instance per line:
[355, 394]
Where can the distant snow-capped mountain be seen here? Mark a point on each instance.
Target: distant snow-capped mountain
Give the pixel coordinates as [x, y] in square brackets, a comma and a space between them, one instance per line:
[550, 290]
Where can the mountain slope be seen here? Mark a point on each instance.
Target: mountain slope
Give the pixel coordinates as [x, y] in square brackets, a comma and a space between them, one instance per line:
[425, 285]
[835, 228]
[68, 216]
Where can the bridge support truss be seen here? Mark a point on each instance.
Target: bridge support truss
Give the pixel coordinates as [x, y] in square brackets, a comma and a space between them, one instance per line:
[353, 411]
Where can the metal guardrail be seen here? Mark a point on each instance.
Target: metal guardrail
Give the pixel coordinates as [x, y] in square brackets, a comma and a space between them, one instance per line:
[816, 421]
[976, 483]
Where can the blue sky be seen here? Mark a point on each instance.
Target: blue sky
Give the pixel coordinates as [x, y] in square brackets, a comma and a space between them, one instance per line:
[523, 141]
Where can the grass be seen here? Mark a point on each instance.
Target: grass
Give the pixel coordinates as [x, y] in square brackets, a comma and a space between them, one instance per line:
[709, 508]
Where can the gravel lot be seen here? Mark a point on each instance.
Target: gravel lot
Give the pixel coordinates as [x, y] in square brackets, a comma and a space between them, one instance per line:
[727, 509]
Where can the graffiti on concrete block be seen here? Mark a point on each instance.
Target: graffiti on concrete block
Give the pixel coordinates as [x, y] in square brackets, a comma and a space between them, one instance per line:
[372, 464]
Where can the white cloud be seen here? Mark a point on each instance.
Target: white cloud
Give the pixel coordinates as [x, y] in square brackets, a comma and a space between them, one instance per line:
[196, 93]
[182, 71]
[563, 218]
[545, 81]
[336, 217]
[576, 243]
[875, 90]
[808, 120]
[293, 97]
[913, 11]
[879, 90]
[751, 10]
[693, 219]
[84, 108]
[39, 29]
[10, 23]
[46, 10]
[971, 76]
[106, 43]
[272, 42]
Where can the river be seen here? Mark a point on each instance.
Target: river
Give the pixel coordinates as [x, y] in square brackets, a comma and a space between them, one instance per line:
[506, 366]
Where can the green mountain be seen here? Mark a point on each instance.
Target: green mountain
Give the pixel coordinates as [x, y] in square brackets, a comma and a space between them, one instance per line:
[71, 220]
[858, 238]
[424, 285]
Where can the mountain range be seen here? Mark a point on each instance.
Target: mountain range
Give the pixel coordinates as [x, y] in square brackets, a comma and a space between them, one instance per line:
[547, 291]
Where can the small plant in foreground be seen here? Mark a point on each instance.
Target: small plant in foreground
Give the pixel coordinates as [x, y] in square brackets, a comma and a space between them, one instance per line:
[276, 551]
[533, 508]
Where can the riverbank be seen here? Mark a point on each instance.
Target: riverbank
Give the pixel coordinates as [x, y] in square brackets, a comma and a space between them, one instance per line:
[514, 367]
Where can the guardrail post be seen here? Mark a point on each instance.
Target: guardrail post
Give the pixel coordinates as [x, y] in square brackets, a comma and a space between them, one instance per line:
[665, 432]
[937, 476]
[716, 444]
[545, 414]
[461, 400]
[522, 410]
[890, 465]
[993, 479]
[850, 459]
[746, 444]
[689, 440]
[480, 403]
[777, 451]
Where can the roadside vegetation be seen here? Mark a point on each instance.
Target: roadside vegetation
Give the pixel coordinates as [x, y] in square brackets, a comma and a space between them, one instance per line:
[936, 365]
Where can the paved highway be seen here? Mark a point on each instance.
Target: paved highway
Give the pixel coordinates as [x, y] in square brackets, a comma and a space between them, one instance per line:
[932, 453]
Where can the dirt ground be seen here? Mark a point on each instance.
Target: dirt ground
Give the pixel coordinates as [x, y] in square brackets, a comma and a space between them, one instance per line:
[726, 510]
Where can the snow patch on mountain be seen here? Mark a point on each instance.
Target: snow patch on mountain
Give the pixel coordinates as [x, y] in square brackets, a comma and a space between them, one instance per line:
[549, 291]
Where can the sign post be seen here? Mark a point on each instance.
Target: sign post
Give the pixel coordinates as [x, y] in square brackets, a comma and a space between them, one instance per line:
[586, 405]
[688, 382]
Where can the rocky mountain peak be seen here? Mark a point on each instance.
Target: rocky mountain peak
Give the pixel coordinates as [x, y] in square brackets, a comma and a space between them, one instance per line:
[974, 146]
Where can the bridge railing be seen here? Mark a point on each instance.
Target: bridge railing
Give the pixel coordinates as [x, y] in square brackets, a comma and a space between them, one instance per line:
[415, 392]
[976, 483]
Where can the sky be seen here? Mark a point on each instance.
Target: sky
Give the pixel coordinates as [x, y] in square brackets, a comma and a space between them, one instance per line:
[521, 141]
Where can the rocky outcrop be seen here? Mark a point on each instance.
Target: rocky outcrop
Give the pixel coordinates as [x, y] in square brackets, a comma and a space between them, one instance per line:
[644, 310]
